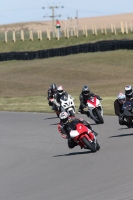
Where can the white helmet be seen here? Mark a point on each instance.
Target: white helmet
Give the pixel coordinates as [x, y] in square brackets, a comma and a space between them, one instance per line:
[121, 97]
[63, 117]
[128, 90]
[60, 90]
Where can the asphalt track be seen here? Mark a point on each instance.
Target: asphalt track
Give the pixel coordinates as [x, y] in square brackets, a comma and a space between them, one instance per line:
[36, 164]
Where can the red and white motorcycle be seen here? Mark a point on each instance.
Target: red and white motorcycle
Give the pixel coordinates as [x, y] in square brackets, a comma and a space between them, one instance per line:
[95, 110]
[84, 137]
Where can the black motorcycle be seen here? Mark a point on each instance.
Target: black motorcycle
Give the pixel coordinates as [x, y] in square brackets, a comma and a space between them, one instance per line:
[128, 112]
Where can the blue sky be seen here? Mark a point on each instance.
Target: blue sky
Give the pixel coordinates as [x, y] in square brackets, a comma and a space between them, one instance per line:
[13, 11]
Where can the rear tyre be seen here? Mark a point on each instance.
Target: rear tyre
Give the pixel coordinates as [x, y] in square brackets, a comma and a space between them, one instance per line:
[99, 117]
[88, 144]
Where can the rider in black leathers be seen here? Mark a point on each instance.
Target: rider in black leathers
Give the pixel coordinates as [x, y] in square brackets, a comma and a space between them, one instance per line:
[129, 93]
[50, 94]
[118, 108]
[85, 94]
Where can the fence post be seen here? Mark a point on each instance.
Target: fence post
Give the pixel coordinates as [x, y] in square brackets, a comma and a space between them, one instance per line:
[83, 31]
[112, 30]
[22, 35]
[102, 29]
[115, 30]
[57, 33]
[74, 29]
[48, 34]
[31, 35]
[105, 30]
[14, 37]
[93, 30]
[126, 28]
[86, 32]
[40, 33]
[67, 33]
[122, 27]
[131, 28]
[5, 36]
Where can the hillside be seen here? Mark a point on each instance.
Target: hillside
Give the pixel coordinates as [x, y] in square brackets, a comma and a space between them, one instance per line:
[89, 22]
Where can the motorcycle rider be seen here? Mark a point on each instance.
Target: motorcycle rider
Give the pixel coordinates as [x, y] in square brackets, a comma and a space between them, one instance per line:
[57, 96]
[51, 91]
[66, 125]
[118, 105]
[83, 97]
[128, 92]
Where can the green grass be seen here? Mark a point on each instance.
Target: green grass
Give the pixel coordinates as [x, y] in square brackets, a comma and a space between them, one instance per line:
[24, 84]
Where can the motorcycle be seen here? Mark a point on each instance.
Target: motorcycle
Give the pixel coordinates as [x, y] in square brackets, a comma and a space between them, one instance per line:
[66, 105]
[83, 139]
[128, 112]
[95, 110]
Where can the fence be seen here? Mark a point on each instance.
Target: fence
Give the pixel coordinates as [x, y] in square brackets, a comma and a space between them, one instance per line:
[125, 28]
[82, 48]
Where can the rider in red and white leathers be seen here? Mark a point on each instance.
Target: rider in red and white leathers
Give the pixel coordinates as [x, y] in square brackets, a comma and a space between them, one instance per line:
[66, 125]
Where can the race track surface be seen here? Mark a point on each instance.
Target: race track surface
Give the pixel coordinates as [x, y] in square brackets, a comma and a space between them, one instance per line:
[36, 164]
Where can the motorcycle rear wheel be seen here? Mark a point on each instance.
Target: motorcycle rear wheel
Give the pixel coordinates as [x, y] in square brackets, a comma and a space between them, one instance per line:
[88, 144]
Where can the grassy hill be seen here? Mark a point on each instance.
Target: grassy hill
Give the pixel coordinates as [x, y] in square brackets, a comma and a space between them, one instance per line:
[24, 84]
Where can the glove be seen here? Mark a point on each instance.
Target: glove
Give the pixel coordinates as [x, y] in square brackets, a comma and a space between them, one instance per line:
[84, 106]
[52, 100]
[99, 98]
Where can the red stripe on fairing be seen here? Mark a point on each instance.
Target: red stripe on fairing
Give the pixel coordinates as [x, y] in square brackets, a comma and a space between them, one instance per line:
[92, 102]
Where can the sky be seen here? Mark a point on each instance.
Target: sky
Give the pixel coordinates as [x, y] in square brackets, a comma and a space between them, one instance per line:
[14, 11]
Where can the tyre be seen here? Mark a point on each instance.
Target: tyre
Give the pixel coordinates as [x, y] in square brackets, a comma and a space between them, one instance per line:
[97, 146]
[71, 113]
[88, 144]
[99, 117]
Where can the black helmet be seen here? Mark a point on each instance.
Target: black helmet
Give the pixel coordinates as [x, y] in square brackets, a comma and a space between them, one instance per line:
[85, 90]
[53, 87]
[128, 90]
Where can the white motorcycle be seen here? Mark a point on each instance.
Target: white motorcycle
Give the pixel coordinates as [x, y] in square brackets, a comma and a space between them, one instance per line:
[67, 105]
[95, 110]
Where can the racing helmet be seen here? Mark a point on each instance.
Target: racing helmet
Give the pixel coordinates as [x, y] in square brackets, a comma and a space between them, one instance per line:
[60, 90]
[121, 97]
[53, 87]
[63, 117]
[85, 90]
[128, 90]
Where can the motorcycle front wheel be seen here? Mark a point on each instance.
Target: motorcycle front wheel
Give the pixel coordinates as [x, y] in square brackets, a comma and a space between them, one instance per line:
[71, 113]
[99, 117]
[88, 144]
[97, 146]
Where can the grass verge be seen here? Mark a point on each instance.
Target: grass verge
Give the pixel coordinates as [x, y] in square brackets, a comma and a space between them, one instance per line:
[24, 84]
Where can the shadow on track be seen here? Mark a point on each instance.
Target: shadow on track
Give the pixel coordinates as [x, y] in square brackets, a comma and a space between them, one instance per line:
[122, 135]
[50, 118]
[54, 124]
[74, 153]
